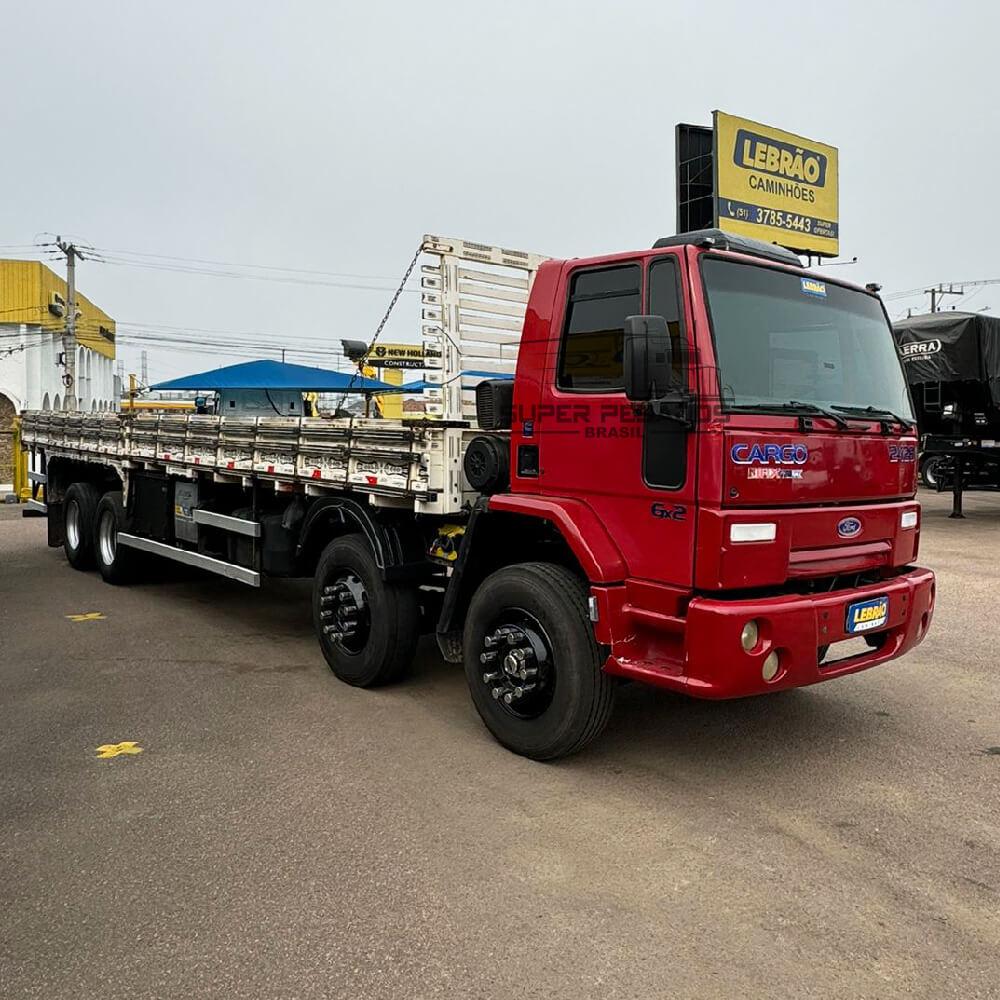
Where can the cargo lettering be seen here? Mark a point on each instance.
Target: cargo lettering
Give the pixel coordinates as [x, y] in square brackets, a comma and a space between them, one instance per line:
[769, 454]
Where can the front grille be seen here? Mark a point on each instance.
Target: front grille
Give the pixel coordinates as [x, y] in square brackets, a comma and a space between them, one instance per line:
[806, 587]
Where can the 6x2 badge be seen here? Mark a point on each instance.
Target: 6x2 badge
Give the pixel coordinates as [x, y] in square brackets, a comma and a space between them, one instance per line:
[669, 511]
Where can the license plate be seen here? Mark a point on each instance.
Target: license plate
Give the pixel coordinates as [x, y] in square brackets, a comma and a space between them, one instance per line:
[866, 615]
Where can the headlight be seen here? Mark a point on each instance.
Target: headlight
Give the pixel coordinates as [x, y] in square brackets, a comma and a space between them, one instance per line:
[753, 532]
[749, 635]
[908, 519]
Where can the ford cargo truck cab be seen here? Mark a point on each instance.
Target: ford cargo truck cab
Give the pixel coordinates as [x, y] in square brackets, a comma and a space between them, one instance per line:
[731, 439]
[699, 473]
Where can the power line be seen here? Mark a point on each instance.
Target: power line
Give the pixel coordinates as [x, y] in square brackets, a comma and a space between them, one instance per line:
[242, 276]
[264, 267]
[923, 290]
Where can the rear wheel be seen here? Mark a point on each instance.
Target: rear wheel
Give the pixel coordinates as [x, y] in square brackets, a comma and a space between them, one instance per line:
[532, 663]
[79, 508]
[367, 628]
[930, 471]
[116, 563]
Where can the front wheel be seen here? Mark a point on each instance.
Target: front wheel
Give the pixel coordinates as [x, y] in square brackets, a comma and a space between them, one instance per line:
[532, 663]
[367, 628]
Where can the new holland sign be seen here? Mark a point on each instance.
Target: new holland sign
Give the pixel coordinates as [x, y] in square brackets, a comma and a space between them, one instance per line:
[775, 186]
[396, 356]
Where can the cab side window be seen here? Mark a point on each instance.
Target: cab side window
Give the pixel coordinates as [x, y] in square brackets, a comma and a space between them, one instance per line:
[599, 301]
[665, 442]
[665, 301]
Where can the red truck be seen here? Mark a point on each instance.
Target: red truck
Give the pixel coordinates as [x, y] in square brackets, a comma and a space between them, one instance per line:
[700, 476]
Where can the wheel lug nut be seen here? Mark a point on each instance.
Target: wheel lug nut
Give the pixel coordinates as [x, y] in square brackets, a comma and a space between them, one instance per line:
[490, 677]
[496, 692]
[487, 657]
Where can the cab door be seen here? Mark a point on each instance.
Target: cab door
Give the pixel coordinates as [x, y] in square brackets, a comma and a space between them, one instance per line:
[636, 470]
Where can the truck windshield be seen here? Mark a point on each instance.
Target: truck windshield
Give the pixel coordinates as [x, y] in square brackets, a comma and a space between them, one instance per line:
[782, 338]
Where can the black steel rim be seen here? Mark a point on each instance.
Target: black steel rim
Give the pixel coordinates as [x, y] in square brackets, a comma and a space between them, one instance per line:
[344, 615]
[518, 668]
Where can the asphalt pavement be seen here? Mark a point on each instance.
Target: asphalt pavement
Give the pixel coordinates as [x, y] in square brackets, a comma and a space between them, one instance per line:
[257, 829]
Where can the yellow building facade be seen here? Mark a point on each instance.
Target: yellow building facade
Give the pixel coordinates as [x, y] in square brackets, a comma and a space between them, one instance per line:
[32, 322]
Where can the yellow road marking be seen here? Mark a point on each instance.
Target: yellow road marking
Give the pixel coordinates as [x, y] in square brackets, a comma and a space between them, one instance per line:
[109, 750]
[88, 616]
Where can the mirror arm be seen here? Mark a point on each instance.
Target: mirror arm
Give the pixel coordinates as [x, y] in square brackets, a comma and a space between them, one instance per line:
[667, 407]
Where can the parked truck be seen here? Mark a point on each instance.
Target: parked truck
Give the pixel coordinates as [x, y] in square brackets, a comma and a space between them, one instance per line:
[952, 363]
[700, 476]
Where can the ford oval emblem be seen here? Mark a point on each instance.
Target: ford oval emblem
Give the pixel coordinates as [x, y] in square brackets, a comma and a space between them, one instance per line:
[849, 527]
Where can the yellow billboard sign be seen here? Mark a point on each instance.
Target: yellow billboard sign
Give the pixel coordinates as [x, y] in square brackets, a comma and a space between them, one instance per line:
[396, 356]
[775, 186]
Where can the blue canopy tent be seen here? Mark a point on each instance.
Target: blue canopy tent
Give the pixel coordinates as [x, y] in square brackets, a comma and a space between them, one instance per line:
[412, 388]
[276, 375]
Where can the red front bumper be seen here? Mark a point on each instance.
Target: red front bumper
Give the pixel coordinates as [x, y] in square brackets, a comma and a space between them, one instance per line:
[701, 653]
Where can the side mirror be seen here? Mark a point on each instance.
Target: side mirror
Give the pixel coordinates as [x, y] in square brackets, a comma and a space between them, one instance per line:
[648, 358]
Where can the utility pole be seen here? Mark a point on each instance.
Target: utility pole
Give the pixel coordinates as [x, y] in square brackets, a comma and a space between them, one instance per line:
[941, 291]
[69, 335]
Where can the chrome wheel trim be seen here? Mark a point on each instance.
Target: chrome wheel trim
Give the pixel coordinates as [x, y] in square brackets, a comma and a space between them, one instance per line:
[73, 525]
[107, 538]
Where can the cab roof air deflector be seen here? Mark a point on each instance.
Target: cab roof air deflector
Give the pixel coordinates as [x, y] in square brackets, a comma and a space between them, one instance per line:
[718, 240]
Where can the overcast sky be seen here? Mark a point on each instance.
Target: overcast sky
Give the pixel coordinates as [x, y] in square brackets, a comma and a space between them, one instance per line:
[330, 136]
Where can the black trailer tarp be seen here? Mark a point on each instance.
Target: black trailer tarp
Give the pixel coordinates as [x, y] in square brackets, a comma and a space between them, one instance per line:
[951, 347]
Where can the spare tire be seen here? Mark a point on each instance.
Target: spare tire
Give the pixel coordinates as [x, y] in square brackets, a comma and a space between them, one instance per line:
[487, 464]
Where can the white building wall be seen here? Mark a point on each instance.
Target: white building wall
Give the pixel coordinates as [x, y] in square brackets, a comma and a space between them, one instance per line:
[29, 374]
[13, 378]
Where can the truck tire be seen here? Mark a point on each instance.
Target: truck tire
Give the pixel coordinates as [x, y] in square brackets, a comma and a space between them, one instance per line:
[115, 562]
[367, 628]
[532, 663]
[79, 509]
[930, 471]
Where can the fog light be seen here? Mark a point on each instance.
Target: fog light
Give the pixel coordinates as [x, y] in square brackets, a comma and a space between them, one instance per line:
[748, 637]
[770, 669]
[908, 519]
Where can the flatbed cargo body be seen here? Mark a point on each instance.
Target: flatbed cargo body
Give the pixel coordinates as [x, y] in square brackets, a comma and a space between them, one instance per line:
[409, 462]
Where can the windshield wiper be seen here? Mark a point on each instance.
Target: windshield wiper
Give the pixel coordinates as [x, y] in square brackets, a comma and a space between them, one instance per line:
[793, 407]
[876, 414]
